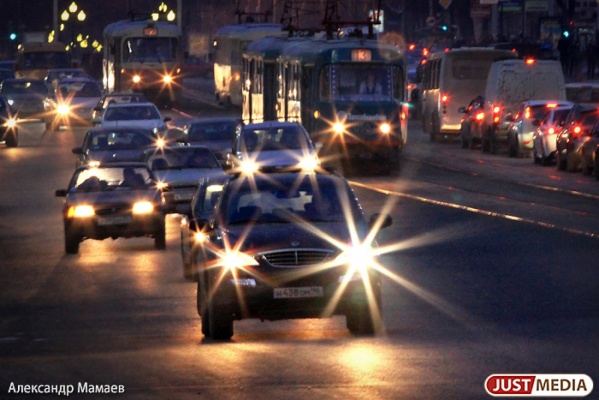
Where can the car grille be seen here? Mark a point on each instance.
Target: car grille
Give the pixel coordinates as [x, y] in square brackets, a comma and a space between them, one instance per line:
[122, 208]
[299, 257]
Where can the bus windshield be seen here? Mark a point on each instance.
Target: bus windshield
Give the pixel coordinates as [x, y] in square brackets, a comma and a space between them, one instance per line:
[45, 60]
[156, 49]
[357, 82]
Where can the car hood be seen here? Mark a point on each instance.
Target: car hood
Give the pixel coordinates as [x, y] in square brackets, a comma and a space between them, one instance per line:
[113, 197]
[116, 155]
[144, 124]
[187, 176]
[277, 158]
[273, 236]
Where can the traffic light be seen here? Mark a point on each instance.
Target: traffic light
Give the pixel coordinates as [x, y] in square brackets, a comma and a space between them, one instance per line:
[12, 36]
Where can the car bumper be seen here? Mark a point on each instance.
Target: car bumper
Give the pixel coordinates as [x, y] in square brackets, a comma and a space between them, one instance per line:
[115, 226]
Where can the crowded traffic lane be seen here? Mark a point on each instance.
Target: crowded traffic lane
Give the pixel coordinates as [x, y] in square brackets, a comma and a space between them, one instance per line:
[467, 295]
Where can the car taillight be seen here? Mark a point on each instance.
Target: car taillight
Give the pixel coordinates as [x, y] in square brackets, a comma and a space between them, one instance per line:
[527, 113]
[551, 131]
[496, 113]
[444, 99]
[577, 129]
[479, 116]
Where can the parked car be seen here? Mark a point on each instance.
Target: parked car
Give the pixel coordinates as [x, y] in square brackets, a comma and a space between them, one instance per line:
[216, 133]
[61, 73]
[112, 201]
[108, 145]
[589, 151]
[9, 130]
[524, 122]
[272, 144]
[280, 246]
[133, 115]
[578, 125]
[116, 97]
[71, 101]
[471, 123]
[25, 96]
[544, 137]
[181, 168]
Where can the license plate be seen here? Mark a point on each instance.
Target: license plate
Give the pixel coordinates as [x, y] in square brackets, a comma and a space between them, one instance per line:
[116, 220]
[298, 292]
[183, 196]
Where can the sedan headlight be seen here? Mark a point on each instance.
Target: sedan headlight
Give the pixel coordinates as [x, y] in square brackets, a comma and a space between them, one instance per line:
[309, 163]
[10, 123]
[237, 259]
[10, 102]
[167, 79]
[63, 109]
[385, 128]
[358, 258]
[143, 207]
[81, 211]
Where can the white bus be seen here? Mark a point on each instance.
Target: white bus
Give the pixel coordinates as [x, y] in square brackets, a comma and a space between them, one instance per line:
[230, 42]
[143, 56]
[450, 80]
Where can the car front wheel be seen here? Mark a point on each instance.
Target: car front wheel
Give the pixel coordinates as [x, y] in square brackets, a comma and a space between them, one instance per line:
[71, 242]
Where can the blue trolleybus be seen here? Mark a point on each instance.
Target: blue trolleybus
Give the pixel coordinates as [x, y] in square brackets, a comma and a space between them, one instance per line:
[350, 93]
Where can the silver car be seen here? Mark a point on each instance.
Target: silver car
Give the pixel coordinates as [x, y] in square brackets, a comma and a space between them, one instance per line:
[544, 137]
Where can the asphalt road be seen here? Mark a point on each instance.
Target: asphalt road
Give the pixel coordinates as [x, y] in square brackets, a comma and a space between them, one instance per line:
[489, 271]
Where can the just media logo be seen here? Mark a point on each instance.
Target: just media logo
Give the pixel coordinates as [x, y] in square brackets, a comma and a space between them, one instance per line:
[539, 385]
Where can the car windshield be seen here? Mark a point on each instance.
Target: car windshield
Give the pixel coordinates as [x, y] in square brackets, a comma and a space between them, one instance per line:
[272, 201]
[185, 158]
[131, 113]
[24, 87]
[132, 98]
[112, 178]
[285, 138]
[211, 131]
[79, 89]
[125, 140]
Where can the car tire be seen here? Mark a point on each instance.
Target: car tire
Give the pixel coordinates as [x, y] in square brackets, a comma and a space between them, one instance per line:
[360, 321]
[12, 139]
[216, 321]
[71, 242]
[561, 163]
[160, 238]
[513, 147]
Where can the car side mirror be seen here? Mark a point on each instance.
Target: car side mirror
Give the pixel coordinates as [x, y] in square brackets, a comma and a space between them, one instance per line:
[387, 220]
[61, 193]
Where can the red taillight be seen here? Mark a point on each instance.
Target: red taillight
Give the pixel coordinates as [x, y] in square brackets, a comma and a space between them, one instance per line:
[411, 86]
[577, 130]
[479, 116]
[444, 99]
[551, 131]
[551, 105]
[530, 61]
[425, 52]
[527, 113]
[496, 112]
[412, 47]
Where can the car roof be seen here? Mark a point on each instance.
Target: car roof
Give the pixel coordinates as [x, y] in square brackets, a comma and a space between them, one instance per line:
[118, 164]
[127, 105]
[271, 124]
[214, 119]
[121, 129]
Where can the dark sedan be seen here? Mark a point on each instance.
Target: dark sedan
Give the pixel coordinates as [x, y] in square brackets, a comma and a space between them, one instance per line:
[284, 246]
[112, 201]
[9, 131]
[576, 129]
[216, 133]
[25, 96]
[108, 145]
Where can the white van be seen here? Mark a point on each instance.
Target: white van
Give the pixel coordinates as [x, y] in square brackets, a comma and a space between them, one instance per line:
[509, 83]
[450, 80]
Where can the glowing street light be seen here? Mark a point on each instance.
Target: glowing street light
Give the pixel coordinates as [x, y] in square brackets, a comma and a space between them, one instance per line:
[65, 15]
[73, 8]
[81, 16]
[170, 16]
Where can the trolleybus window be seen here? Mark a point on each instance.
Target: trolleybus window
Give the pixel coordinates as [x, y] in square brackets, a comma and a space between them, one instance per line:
[150, 49]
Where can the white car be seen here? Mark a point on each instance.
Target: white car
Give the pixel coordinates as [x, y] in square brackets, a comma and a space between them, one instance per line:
[522, 123]
[71, 102]
[133, 115]
[272, 144]
[544, 137]
[182, 168]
